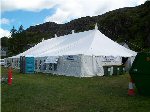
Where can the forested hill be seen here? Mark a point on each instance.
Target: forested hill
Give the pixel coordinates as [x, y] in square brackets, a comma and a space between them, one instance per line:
[130, 25]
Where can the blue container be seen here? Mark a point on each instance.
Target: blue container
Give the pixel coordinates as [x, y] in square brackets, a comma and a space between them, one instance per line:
[29, 65]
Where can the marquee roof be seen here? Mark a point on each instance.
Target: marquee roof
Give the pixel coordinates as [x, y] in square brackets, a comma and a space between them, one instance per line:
[91, 42]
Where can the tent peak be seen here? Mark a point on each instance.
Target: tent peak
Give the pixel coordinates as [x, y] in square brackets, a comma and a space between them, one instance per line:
[55, 36]
[96, 27]
[72, 31]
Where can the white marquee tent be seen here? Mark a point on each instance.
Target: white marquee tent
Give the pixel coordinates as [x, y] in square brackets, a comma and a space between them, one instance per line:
[89, 45]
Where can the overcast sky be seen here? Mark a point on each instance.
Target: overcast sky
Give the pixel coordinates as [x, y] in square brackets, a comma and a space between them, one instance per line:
[33, 12]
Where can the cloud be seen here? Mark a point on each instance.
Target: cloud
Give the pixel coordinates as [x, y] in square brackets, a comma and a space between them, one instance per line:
[4, 21]
[141, 1]
[32, 5]
[73, 9]
[4, 33]
[67, 10]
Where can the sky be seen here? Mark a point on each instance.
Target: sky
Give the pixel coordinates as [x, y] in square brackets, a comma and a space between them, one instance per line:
[33, 12]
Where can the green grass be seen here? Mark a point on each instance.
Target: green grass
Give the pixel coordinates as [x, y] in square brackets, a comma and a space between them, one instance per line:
[48, 93]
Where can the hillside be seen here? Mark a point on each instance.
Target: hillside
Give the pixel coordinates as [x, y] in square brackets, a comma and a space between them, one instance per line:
[130, 25]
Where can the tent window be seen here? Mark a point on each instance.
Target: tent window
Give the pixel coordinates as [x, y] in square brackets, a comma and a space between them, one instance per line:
[55, 66]
[44, 66]
[35, 64]
[50, 66]
[40, 66]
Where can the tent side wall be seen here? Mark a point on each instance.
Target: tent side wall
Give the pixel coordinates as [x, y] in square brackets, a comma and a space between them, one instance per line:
[40, 64]
[13, 62]
[81, 65]
[91, 67]
[69, 65]
[78, 66]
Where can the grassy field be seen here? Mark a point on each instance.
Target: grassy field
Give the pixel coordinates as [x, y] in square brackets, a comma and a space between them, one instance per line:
[48, 93]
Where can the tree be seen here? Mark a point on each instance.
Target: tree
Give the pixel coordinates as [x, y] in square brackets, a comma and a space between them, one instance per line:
[13, 31]
[21, 29]
[4, 41]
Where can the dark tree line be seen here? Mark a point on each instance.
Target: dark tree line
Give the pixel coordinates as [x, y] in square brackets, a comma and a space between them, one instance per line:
[16, 43]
